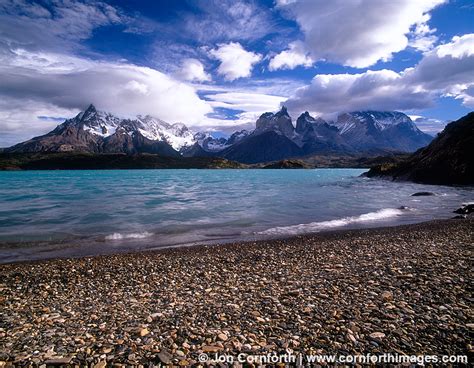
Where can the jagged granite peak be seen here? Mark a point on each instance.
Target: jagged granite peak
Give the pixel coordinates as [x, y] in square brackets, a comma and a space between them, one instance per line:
[279, 122]
[305, 122]
[90, 110]
[283, 111]
[316, 136]
[86, 114]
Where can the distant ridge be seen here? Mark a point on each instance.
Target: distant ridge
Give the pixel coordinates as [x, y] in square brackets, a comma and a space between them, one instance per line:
[274, 137]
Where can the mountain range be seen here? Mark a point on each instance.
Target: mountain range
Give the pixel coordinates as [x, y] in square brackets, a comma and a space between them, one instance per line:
[274, 137]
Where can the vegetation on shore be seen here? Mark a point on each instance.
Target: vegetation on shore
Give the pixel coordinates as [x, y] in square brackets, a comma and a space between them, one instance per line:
[91, 161]
[95, 161]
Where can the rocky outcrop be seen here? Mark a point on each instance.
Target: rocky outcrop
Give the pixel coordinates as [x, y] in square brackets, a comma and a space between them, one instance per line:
[449, 159]
[422, 194]
[287, 164]
[466, 209]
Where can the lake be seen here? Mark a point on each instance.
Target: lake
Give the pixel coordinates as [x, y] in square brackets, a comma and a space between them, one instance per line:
[47, 214]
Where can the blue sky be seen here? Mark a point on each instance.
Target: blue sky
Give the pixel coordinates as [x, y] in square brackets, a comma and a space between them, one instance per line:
[217, 65]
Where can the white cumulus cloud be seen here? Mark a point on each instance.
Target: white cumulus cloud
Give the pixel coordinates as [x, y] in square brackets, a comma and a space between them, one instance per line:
[235, 61]
[291, 58]
[193, 70]
[374, 90]
[360, 33]
[446, 70]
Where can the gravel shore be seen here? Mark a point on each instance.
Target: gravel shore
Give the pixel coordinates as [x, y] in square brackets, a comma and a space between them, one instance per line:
[402, 290]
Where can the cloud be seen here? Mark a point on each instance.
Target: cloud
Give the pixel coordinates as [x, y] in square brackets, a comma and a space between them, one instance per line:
[224, 20]
[446, 70]
[360, 33]
[71, 84]
[423, 37]
[249, 102]
[247, 107]
[59, 26]
[193, 70]
[22, 119]
[235, 61]
[374, 90]
[428, 125]
[35, 85]
[290, 59]
[460, 46]
[44, 80]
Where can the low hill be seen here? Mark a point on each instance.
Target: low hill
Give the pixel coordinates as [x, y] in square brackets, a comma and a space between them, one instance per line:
[91, 161]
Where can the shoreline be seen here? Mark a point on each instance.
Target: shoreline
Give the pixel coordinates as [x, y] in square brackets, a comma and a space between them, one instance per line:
[378, 290]
[219, 242]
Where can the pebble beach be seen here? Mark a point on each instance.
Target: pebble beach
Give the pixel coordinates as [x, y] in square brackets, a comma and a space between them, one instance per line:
[403, 290]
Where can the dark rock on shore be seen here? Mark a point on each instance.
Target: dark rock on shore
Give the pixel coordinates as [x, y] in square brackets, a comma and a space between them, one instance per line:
[422, 194]
[448, 159]
[466, 209]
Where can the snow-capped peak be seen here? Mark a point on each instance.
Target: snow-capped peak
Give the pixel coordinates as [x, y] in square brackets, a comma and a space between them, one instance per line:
[380, 120]
[177, 135]
[104, 124]
[97, 122]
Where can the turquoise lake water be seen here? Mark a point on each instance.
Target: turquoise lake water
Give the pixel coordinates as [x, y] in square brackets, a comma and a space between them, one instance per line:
[72, 213]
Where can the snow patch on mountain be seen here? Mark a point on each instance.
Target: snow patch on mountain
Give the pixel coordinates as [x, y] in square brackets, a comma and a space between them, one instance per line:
[381, 120]
[99, 122]
[209, 143]
[177, 135]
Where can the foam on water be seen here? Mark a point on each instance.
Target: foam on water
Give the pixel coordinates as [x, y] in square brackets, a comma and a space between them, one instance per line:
[382, 214]
[119, 236]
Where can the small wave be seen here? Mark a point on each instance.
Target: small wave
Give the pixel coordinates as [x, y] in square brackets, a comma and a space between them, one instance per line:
[319, 226]
[119, 236]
